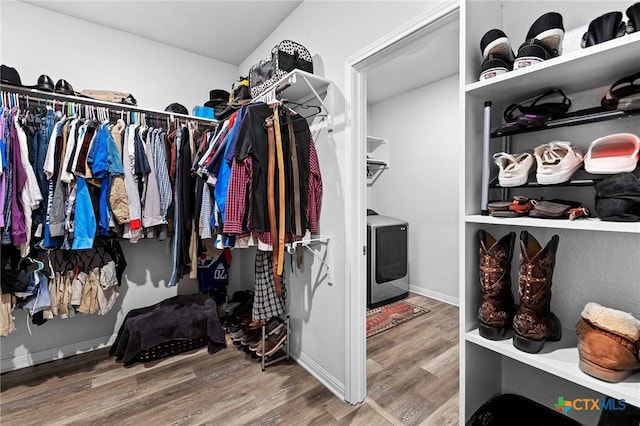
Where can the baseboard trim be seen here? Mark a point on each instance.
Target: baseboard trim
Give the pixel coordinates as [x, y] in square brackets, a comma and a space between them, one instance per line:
[435, 295]
[323, 376]
[52, 354]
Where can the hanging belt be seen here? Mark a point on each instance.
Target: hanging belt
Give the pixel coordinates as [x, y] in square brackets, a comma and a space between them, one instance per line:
[279, 261]
[296, 188]
[271, 199]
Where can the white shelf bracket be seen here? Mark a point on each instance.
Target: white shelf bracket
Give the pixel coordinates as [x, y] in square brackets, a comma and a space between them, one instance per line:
[305, 243]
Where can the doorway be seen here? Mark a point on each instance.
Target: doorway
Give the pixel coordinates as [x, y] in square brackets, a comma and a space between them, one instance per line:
[373, 73]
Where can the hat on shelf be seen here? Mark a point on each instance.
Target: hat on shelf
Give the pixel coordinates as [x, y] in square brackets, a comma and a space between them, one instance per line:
[45, 83]
[9, 75]
[177, 108]
[63, 87]
[216, 97]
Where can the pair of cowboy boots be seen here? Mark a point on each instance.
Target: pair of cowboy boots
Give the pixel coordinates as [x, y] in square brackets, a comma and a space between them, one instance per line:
[532, 321]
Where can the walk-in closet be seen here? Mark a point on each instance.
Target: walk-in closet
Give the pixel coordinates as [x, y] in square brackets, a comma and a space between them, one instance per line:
[300, 212]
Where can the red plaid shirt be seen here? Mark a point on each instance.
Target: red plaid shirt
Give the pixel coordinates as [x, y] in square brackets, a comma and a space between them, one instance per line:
[239, 199]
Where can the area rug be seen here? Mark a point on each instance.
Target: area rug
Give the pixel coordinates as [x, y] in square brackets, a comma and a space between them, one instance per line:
[391, 315]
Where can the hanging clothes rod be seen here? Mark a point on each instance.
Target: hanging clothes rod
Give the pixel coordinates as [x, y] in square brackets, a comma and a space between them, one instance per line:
[39, 94]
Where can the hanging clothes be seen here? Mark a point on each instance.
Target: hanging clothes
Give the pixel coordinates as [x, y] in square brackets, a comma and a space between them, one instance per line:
[266, 305]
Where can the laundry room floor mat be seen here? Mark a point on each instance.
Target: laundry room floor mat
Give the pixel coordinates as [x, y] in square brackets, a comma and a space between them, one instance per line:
[388, 316]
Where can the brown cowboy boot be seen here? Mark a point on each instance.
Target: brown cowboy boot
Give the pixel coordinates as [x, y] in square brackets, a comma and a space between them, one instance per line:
[535, 323]
[497, 309]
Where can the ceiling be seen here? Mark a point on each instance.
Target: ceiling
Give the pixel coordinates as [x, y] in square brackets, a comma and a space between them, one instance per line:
[431, 55]
[228, 31]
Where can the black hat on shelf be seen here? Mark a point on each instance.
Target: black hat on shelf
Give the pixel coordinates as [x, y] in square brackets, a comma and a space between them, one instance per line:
[63, 87]
[216, 97]
[177, 108]
[9, 75]
[45, 83]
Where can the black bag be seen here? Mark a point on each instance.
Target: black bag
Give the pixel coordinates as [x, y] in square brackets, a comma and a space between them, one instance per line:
[511, 409]
[285, 57]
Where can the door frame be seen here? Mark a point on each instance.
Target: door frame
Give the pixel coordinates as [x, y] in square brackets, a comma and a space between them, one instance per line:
[355, 206]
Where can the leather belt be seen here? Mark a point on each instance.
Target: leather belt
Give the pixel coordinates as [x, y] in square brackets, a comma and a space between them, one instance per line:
[271, 165]
[279, 260]
[296, 188]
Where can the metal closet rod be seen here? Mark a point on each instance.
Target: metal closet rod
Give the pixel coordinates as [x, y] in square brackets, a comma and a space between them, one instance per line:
[38, 94]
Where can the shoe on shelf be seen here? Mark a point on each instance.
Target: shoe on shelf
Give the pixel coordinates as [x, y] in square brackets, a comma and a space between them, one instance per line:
[556, 162]
[624, 94]
[544, 41]
[608, 343]
[604, 28]
[497, 54]
[633, 15]
[613, 154]
[269, 327]
[513, 169]
[497, 309]
[252, 336]
[534, 322]
[273, 341]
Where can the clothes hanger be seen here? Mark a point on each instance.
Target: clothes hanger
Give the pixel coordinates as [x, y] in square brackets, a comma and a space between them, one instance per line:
[39, 264]
[304, 106]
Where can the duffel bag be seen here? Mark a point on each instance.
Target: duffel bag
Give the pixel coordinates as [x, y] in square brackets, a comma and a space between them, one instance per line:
[285, 57]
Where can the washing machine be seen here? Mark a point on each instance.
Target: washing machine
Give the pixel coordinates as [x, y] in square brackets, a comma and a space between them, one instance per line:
[387, 259]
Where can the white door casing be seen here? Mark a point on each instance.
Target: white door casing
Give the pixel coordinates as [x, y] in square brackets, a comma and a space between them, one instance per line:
[355, 238]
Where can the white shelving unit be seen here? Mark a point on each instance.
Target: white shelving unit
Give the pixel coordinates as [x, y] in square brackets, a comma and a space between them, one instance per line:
[298, 86]
[597, 261]
[376, 164]
[561, 359]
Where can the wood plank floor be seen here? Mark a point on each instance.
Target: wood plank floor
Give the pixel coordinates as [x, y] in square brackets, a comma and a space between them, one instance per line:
[412, 379]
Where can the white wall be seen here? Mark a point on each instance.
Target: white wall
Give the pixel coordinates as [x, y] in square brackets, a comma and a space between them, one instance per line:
[422, 128]
[332, 31]
[36, 41]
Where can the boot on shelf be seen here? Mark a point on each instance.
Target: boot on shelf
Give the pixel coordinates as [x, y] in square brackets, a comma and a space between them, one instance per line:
[497, 308]
[608, 343]
[535, 323]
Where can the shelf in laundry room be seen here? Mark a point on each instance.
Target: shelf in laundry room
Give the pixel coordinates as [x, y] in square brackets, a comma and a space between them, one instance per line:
[575, 118]
[375, 140]
[373, 162]
[591, 224]
[597, 66]
[561, 359]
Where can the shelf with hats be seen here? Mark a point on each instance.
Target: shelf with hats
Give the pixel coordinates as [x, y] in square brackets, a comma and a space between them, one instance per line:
[595, 261]
[34, 94]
